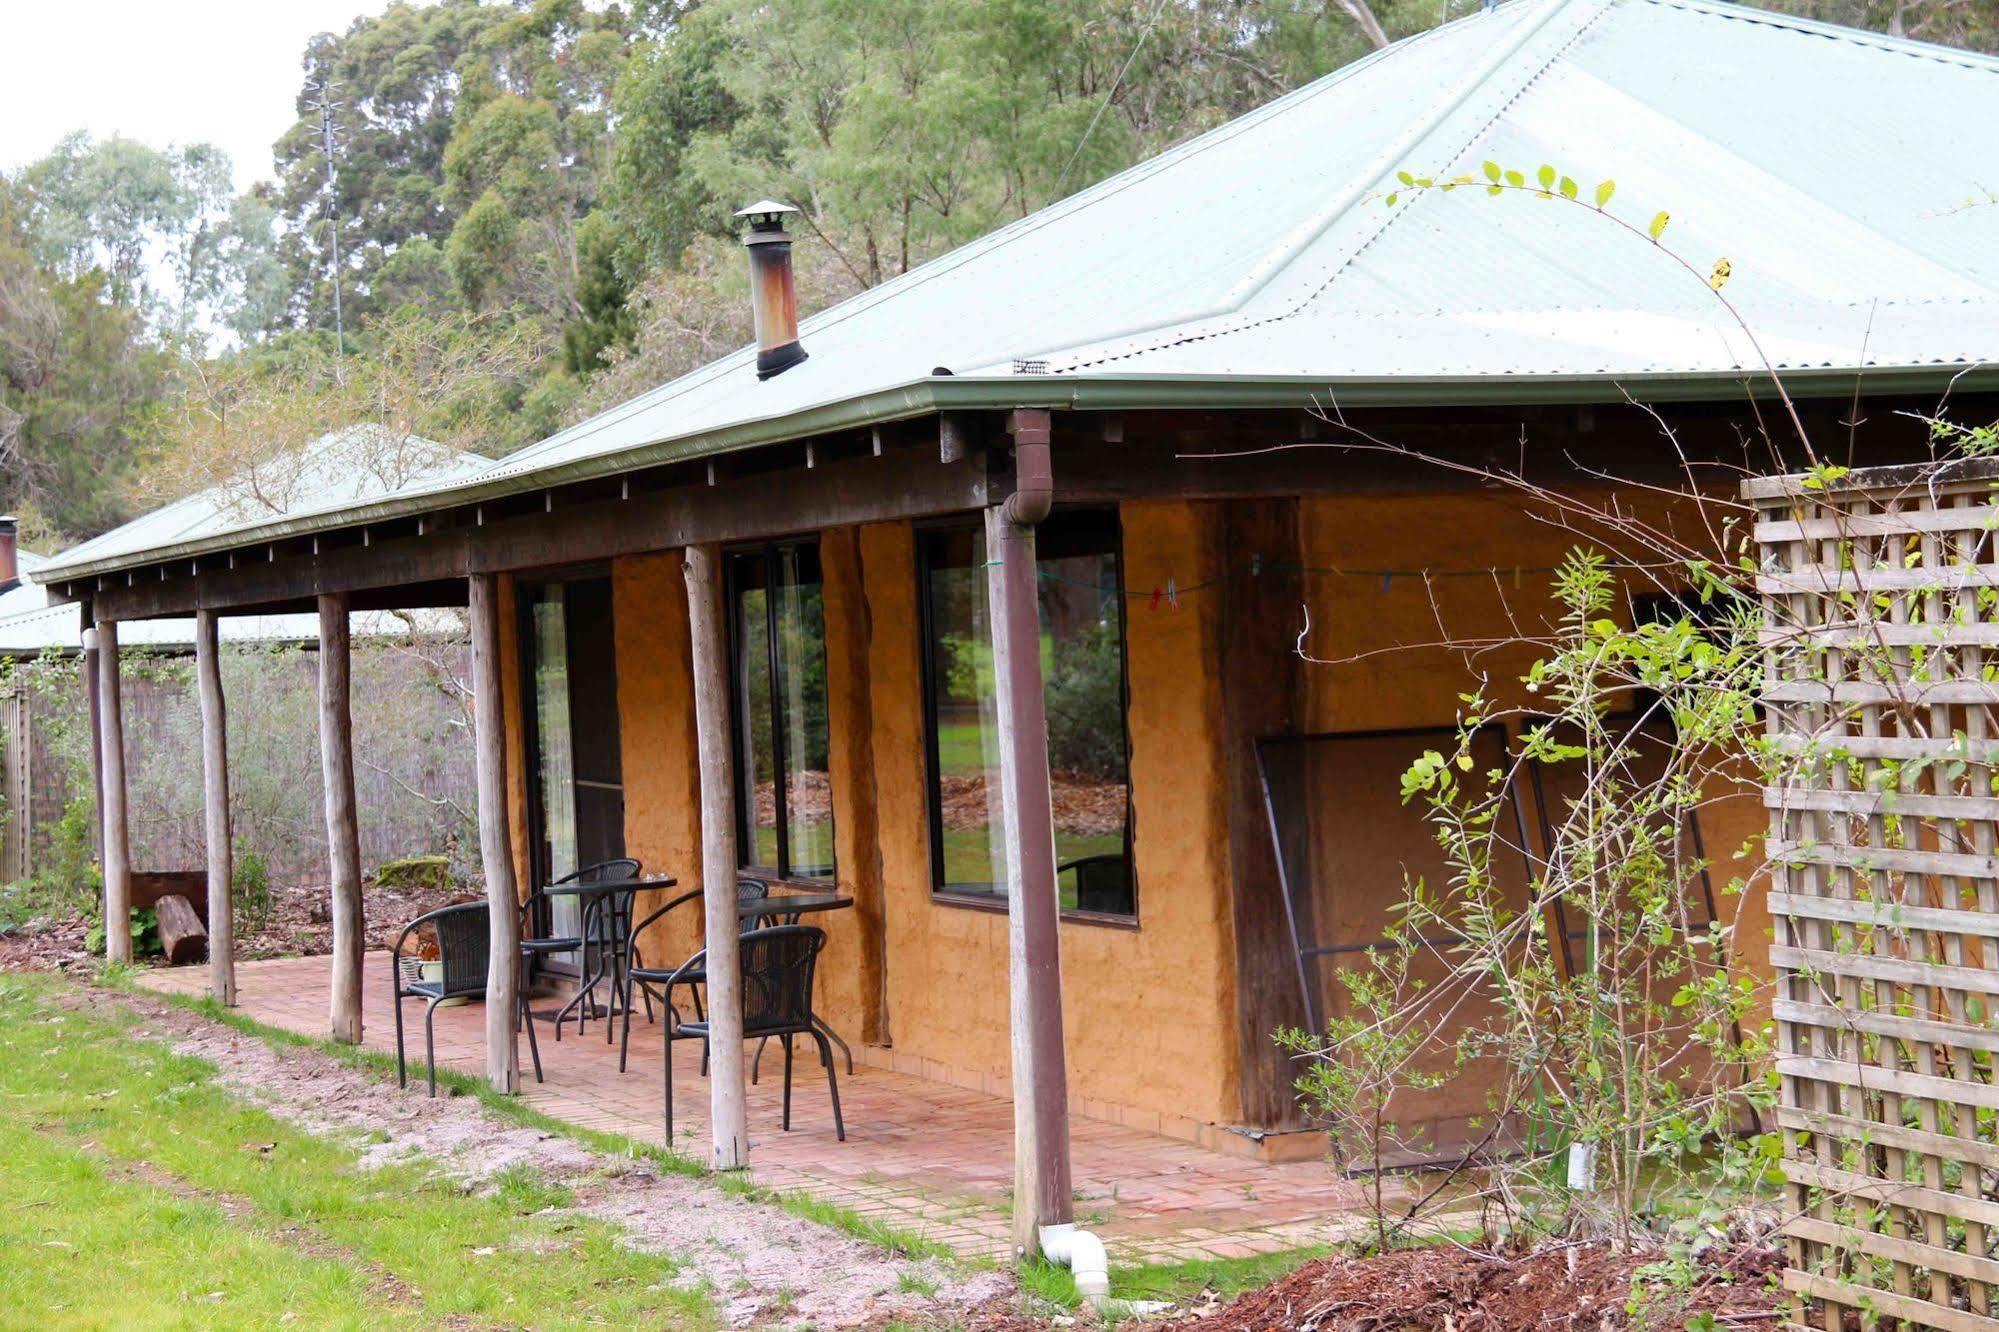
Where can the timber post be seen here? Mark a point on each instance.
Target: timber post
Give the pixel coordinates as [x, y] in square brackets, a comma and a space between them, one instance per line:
[343, 842]
[111, 800]
[215, 809]
[727, 1113]
[96, 724]
[503, 979]
[1041, 1170]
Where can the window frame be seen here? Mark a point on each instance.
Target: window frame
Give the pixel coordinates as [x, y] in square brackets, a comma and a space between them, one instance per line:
[768, 554]
[1001, 902]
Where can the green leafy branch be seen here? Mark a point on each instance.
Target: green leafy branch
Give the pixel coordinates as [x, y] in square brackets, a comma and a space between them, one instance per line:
[1550, 184]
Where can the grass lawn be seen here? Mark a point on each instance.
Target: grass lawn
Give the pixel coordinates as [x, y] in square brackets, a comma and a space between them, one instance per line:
[138, 1192]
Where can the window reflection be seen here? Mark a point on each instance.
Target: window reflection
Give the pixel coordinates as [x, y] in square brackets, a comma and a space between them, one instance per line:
[1082, 658]
[777, 628]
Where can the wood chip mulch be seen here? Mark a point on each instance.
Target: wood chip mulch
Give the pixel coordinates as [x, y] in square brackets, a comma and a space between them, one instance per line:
[1455, 1289]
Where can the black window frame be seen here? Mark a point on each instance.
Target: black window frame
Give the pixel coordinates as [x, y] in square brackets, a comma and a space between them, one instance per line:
[940, 892]
[769, 554]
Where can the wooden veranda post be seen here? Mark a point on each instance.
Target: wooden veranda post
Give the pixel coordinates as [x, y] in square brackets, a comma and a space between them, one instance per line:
[503, 1061]
[343, 842]
[111, 799]
[1041, 1174]
[215, 808]
[727, 1113]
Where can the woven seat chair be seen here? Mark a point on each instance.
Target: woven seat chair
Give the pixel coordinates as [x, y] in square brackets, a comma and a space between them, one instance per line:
[647, 978]
[464, 943]
[777, 967]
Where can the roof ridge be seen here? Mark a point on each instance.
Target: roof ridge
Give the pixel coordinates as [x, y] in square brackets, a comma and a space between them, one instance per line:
[958, 256]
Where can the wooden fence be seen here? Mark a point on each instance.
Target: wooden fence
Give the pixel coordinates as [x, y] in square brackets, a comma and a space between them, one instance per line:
[1881, 599]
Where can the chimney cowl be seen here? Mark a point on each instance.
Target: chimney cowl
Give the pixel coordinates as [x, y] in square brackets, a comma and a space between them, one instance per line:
[773, 296]
[10, 552]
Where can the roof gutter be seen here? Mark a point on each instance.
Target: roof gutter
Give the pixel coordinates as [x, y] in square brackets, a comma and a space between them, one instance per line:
[923, 397]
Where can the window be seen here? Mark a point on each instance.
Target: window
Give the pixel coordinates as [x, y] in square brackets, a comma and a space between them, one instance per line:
[1083, 675]
[576, 811]
[777, 632]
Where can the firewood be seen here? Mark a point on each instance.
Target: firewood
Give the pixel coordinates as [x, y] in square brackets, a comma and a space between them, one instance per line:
[182, 934]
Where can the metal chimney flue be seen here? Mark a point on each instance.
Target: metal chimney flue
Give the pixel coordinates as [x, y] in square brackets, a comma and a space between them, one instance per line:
[10, 552]
[772, 293]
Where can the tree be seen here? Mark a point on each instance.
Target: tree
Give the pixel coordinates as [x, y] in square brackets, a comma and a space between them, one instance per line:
[476, 131]
[285, 424]
[161, 224]
[78, 382]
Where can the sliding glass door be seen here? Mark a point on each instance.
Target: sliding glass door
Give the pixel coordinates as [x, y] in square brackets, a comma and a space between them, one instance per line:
[577, 804]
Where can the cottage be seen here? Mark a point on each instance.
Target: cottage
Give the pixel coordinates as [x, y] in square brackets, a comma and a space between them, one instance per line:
[982, 595]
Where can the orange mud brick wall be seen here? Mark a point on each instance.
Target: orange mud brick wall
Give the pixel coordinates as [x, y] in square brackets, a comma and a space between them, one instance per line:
[656, 742]
[662, 777]
[1149, 1011]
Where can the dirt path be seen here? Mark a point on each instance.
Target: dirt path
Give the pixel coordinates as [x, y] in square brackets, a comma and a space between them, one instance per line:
[762, 1265]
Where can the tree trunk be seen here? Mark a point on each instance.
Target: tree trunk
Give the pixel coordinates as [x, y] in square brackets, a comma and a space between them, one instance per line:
[503, 1059]
[1362, 13]
[111, 765]
[1041, 1174]
[727, 1113]
[215, 806]
[343, 843]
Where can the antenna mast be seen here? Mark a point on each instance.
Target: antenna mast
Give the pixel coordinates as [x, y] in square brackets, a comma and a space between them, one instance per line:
[332, 223]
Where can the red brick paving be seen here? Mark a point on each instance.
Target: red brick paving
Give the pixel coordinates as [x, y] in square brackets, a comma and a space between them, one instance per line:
[924, 1156]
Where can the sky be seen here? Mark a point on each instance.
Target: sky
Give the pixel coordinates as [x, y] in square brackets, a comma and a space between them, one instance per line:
[164, 71]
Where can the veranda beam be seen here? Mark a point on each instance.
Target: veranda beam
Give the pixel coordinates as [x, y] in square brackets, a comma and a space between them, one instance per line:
[503, 1061]
[215, 807]
[111, 799]
[343, 842]
[1041, 1175]
[727, 1115]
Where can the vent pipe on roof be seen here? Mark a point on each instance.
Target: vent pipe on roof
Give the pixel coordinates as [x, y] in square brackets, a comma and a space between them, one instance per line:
[772, 295]
[10, 553]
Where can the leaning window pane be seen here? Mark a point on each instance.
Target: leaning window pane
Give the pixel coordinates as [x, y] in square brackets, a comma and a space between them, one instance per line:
[963, 723]
[756, 765]
[801, 647]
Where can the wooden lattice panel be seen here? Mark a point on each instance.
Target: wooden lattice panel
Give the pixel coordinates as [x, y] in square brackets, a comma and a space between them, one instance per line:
[1881, 600]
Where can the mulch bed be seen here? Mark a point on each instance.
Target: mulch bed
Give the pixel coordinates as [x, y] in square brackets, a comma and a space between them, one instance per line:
[1456, 1289]
[299, 925]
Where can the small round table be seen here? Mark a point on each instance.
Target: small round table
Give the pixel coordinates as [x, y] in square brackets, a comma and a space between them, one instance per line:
[602, 931]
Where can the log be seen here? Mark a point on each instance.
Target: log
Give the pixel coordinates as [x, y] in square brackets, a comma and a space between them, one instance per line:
[727, 1111]
[182, 935]
[343, 841]
[503, 1058]
[215, 810]
[111, 769]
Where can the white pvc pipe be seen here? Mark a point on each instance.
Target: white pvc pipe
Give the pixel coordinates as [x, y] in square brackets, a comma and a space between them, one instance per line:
[1083, 1254]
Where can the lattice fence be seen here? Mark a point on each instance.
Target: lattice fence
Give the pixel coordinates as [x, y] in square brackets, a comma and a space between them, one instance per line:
[1881, 593]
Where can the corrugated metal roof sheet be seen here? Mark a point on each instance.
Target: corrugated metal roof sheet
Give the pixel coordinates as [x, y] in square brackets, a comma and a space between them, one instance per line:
[1833, 168]
[332, 479]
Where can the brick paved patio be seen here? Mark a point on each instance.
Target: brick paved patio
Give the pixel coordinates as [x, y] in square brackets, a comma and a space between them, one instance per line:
[924, 1156]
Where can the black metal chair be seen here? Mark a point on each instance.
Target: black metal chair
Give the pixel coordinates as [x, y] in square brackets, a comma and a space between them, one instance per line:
[535, 952]
[1103, 883]
[464, 943]
[777, 966]
[645, 977]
